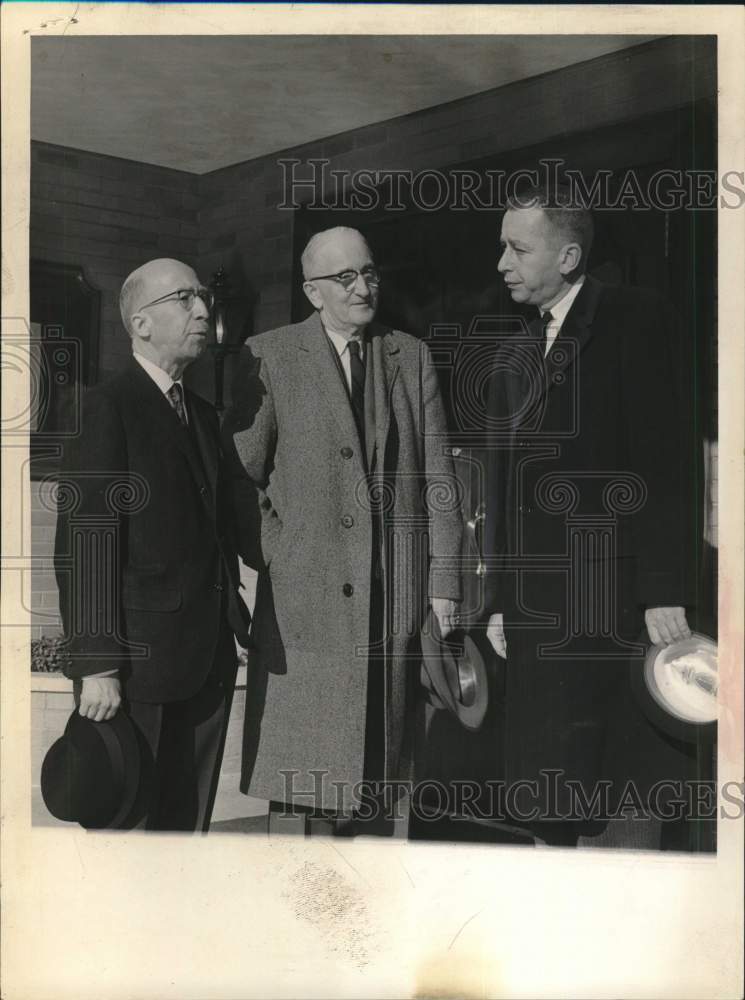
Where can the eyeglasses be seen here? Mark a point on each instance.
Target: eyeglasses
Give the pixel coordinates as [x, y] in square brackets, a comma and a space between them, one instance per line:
[185, 298]
[348, 279]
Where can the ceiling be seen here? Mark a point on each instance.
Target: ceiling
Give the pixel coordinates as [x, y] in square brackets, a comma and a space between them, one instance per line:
[200, 103]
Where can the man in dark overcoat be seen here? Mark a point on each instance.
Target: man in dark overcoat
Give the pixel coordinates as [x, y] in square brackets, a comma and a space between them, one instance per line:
[339, 428]
[590, 529]
[145, 562]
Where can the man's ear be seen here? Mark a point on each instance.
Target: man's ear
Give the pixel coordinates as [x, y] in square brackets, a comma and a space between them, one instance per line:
[140, 325]
[312, 294]
[570, 257]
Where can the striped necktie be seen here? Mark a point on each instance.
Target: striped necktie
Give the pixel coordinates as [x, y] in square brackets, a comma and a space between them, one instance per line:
[546, 320]
[176, 398]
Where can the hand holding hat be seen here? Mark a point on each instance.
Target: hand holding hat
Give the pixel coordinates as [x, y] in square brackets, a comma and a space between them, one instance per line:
[446, 612]
[454, 674]
[666, 625]
[101, 696]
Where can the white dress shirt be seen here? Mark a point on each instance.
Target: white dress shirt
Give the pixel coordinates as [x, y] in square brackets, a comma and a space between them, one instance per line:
[559, 312]
[162, 379]
[341, 345]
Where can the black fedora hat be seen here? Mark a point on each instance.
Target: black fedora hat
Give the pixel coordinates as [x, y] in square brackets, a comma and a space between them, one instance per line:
[454, 674]
[677, 687]
[91, 774]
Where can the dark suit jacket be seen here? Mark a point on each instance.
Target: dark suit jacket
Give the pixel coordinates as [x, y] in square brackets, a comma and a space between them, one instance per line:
[601, 446]
[144, 552]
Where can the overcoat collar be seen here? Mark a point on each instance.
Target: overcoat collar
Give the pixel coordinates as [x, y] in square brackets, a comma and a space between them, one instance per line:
[381, 371]
[578, 323]
[168, 431]
[577, 327]
[575, 334]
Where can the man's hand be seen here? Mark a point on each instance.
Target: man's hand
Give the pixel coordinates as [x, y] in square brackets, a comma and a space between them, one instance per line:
[495, 635]
[445, 612]
[666, 625]
[100, 698]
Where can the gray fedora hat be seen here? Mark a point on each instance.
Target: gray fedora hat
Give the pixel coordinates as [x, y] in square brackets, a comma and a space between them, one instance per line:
[453, 673]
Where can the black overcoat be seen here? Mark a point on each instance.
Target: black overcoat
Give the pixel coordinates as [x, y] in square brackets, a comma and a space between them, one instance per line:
[590, 520]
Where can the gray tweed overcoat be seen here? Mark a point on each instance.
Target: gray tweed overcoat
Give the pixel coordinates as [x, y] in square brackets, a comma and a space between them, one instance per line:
[307, 506]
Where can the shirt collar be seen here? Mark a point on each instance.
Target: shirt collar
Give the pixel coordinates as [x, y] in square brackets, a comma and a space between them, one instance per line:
[560, 309]
[162, 379]
[341, 342]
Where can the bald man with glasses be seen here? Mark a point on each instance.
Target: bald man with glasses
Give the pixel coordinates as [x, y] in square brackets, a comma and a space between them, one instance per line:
[145, 557]
[350, 514]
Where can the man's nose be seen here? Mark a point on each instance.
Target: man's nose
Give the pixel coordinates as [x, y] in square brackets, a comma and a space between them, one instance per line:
[363, 279]
[502, 263]
[200, 309]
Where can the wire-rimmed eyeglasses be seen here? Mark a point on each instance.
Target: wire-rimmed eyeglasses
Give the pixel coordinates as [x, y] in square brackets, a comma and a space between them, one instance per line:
[185, 298]
[348, 278]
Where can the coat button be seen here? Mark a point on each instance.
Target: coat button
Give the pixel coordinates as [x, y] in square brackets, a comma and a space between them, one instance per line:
[203, 491]
[347, 590]
[346, 452]
[347, 521]
[219, 586]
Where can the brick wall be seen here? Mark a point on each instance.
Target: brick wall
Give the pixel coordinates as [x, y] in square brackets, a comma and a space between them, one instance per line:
[109, 216]
[45, 619]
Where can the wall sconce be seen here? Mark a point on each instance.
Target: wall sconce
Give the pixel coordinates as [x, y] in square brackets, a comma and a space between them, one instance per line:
[222, 346]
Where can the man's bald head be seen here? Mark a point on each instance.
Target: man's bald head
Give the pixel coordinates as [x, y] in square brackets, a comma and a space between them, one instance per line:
[168, 329]
[150, 281]
[345, 306]
[321, 245]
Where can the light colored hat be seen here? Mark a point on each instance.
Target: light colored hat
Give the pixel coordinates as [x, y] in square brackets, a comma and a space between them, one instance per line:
[678, 687]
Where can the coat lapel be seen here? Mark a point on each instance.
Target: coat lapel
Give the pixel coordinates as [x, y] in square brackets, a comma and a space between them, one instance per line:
[370, 440]
[576, 329]
[163, 420]
[314, 343]
[525, 381]
[381, 363]
[385, 363]
[574, 336]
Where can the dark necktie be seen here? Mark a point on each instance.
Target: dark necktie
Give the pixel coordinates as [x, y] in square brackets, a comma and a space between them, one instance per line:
[545, 321]
[357, 369]
[176, 398]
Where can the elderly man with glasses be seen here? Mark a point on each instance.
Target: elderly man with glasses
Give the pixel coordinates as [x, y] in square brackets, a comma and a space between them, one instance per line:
[350, 513]
[151, 605]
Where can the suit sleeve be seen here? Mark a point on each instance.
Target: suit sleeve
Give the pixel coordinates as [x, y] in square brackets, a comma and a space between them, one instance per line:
[90, 538]
[665, 455]
[442, 490]
[250, 439]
